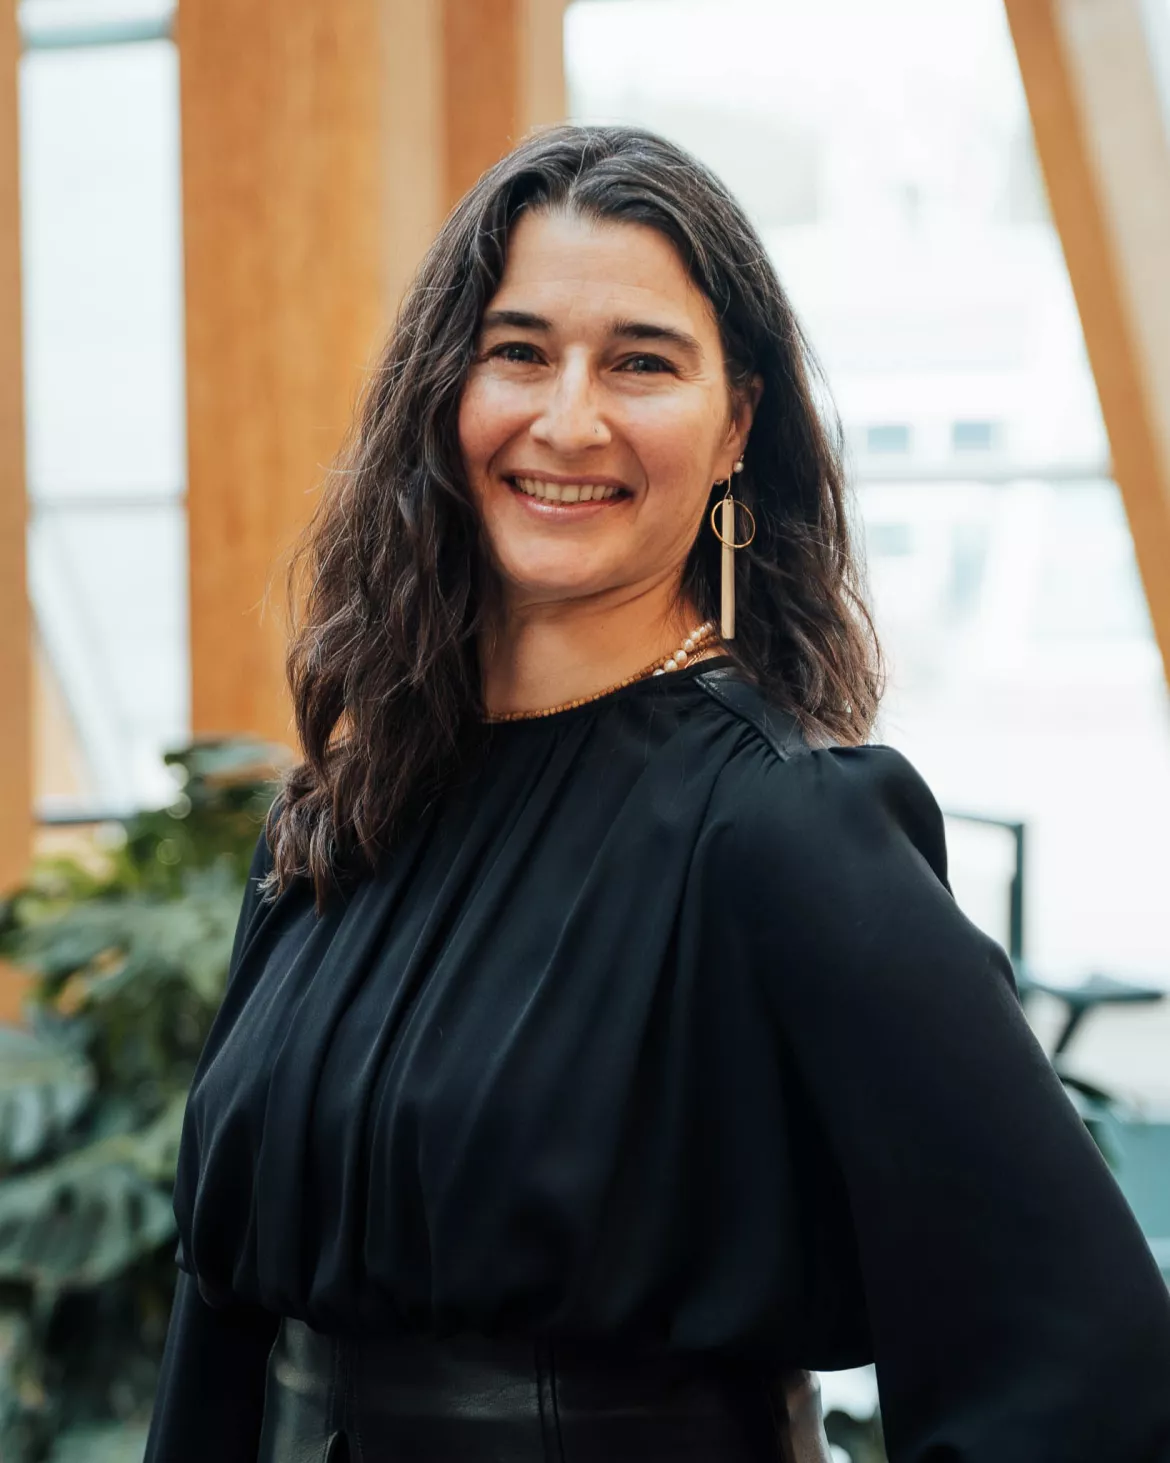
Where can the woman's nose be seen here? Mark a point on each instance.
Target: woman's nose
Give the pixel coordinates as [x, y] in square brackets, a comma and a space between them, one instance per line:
[571, 419]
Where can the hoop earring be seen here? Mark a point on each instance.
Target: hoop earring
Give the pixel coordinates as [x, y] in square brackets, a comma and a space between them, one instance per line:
[723, 526]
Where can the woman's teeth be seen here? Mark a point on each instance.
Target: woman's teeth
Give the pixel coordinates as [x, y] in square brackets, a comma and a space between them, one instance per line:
[565, 492]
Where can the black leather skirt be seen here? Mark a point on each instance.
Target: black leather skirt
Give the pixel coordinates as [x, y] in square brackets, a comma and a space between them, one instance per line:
[475, 1400]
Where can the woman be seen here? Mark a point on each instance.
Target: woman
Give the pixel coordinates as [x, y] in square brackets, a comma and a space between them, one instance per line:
[603, 1047]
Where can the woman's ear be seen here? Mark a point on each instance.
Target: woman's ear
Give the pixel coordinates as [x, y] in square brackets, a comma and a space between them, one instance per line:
[741, 422]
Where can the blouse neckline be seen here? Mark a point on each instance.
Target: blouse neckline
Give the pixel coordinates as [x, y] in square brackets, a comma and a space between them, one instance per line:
[652, 684]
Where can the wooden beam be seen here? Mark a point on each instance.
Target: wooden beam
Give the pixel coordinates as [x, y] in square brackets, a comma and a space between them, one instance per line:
[503, 75]
[322, 145]
[16, 787]
[414, 184]
[282, 239]
[1101, 135]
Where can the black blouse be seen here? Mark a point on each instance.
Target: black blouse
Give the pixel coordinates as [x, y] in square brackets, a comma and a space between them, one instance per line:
[663, 1027]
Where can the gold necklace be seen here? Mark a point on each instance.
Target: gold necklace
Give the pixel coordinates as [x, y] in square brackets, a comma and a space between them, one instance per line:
[696, 643]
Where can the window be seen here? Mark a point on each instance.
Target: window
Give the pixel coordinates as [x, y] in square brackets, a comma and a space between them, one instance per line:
[975, 436]
[103, 314]
[888, 437]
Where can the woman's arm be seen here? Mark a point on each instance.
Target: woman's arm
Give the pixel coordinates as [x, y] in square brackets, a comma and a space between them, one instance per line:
[210, 1400]
[1016, 1311]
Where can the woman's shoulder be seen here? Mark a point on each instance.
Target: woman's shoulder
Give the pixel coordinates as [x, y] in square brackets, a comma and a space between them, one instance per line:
[836, 856]
[789, 797]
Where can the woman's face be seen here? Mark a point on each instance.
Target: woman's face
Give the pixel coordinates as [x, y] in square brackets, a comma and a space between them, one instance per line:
[596, 415]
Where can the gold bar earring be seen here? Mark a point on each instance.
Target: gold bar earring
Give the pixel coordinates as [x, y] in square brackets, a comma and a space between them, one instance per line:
[724, 531]
[727, 566]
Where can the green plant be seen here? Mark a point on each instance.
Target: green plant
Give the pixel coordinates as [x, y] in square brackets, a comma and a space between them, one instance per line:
[129, 966]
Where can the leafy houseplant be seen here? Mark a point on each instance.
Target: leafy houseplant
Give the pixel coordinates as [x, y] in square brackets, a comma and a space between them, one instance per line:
[128, 966]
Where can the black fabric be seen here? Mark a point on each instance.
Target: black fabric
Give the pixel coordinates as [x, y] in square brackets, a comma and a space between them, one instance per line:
[653, 1031]
[210, 1400]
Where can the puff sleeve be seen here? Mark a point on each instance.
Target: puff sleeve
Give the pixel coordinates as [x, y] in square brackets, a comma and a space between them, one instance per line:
[1016, 1313]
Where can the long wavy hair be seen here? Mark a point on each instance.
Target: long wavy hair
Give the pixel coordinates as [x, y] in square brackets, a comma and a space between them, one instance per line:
[390, 587]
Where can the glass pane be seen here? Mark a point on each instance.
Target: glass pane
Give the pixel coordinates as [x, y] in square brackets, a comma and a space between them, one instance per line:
[1026, 684]
[101, 228]
[1156, 14]
[109, 596]
[102, 270]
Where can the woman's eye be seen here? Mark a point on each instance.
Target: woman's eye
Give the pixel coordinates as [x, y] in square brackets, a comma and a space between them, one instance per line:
[643, 365]
[515, 350]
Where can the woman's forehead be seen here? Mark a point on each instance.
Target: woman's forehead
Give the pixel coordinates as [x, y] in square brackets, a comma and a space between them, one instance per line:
[562, 265]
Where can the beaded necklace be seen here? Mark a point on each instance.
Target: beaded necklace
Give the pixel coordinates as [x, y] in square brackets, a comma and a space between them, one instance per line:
[697, 642]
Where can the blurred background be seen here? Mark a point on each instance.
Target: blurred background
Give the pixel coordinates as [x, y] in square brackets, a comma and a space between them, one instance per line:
[208, 214]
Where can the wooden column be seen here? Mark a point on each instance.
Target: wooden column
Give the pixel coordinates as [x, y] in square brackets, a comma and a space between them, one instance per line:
[16, 791]
[1102, 139]
[282, 239]
[322, 145]
[504, 75]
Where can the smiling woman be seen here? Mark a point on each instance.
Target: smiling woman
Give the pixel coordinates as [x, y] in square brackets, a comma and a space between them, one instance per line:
[603, 1049]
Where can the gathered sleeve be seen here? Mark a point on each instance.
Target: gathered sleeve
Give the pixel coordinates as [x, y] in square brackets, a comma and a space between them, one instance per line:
[1016, 1312]
[209, 1402]
[210, 1398]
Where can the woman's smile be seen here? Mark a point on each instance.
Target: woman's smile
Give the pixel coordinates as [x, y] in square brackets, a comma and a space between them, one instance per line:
[564, 499]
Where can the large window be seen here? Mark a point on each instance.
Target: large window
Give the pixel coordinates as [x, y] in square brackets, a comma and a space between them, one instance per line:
[104, 398]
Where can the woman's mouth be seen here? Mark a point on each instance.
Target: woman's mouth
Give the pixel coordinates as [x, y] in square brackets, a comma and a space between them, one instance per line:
[575, 497]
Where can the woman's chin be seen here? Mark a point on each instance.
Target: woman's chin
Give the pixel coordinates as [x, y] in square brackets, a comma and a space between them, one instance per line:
[530, 583]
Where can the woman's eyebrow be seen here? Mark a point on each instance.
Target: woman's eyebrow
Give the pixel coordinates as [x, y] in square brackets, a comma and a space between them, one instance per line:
[517, 319]
[639, 330]
[645, 330]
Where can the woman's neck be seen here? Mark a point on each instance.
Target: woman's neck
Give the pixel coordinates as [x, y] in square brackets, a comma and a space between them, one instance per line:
[545, 655]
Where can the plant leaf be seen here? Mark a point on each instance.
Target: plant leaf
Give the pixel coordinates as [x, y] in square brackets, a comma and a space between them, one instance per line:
[115, 941]
[89, 1216]
[44, 1088]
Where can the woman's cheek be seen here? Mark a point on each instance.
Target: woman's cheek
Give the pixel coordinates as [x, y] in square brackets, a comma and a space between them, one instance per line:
[672, 428]
[490, 415]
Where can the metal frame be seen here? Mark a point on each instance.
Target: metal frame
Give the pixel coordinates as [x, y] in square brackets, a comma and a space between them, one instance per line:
[1016, 888]
[37, 34]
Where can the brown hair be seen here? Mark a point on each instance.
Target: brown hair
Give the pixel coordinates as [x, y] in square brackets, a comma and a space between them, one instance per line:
[383, 663]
